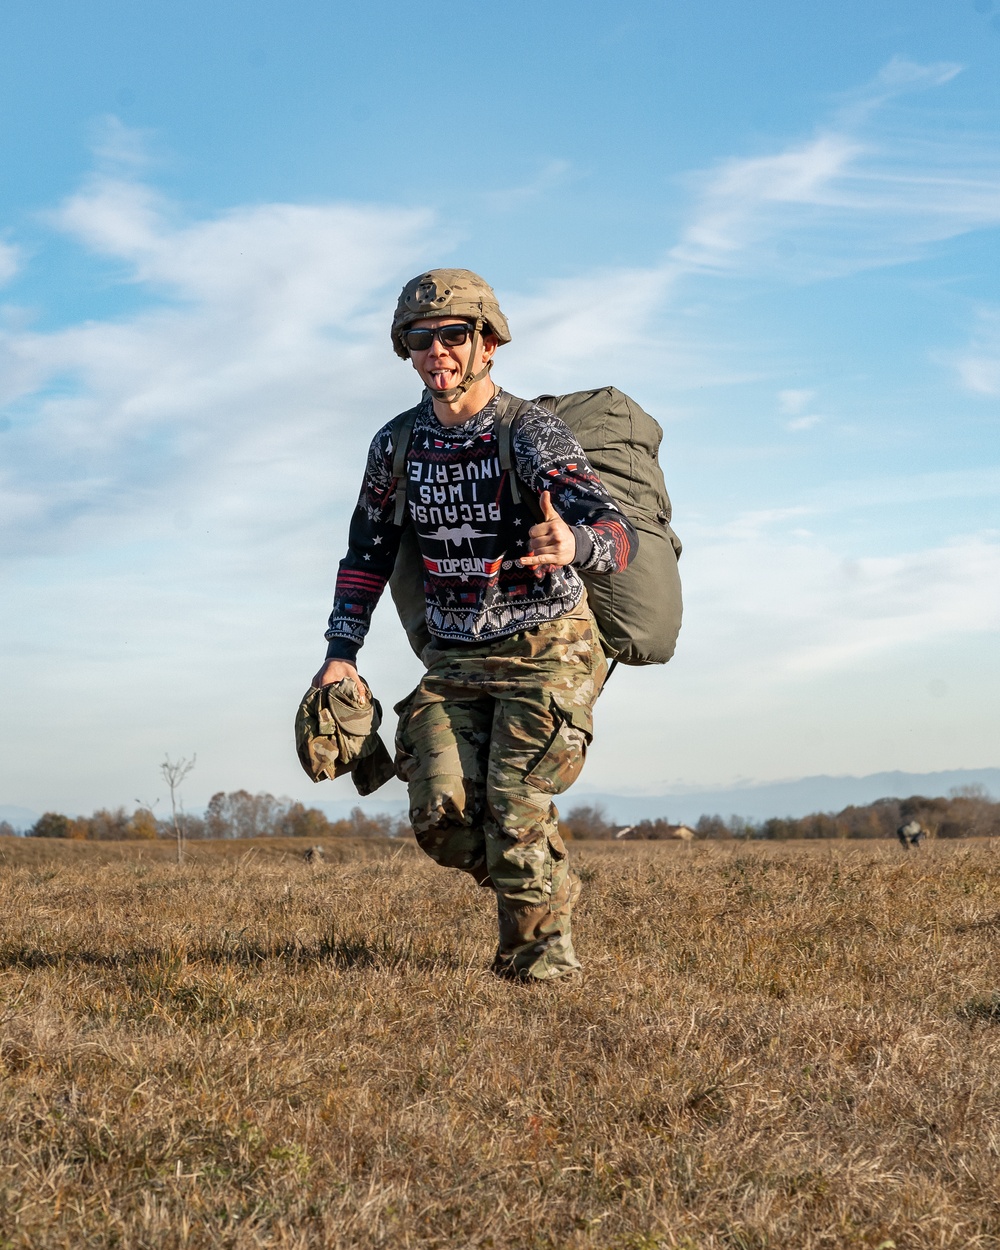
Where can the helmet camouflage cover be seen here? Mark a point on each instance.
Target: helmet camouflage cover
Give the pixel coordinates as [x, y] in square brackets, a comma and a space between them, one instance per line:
[448, 293]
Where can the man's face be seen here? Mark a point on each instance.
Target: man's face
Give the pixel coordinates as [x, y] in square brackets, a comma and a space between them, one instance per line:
[441, 367]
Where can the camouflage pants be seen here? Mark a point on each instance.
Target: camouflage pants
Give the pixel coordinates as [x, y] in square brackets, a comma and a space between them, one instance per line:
[486, 739]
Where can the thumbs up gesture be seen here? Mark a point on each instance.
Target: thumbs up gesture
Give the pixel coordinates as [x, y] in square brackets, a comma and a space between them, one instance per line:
[552, 540]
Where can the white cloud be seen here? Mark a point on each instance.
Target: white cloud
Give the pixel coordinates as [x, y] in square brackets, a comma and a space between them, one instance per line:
[791, 402]
[897, 77]
[120, 149]
[742, 202]
[874, 187]
[250, 391]
[598, 326]
[880, 604]
[553, 175]
[282, 268]
[10, 262]
[981, 374]
[978, 366]
[765, 588]
[902, 74]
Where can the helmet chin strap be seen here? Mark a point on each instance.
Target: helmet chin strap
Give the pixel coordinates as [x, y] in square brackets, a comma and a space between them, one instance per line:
[470, 379]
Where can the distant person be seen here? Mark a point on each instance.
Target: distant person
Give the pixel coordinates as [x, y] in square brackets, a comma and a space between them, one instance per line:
[502, 718]
[910, 834]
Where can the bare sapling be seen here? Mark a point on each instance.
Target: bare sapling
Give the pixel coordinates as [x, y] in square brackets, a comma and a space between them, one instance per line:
[174, 774]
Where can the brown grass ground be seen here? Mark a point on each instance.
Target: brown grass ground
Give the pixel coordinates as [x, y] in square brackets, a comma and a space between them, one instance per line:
[792, 1046]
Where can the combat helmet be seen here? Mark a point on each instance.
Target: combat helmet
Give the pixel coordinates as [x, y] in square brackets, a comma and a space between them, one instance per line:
[450, 293]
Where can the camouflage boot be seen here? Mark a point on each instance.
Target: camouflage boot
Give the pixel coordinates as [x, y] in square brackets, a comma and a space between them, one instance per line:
[536, 942]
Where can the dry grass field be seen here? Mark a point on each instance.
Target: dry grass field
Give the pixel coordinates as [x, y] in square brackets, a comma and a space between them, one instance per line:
[792, 1046]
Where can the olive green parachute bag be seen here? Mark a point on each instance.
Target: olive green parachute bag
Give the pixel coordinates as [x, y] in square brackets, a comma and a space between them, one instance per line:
[638, 611]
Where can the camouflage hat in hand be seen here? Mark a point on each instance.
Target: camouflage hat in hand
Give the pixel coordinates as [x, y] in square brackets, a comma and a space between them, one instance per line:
[336, 732]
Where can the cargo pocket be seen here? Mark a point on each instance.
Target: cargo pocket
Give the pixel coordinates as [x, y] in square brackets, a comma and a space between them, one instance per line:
[562, 760]
[405, 761]
[556, 845]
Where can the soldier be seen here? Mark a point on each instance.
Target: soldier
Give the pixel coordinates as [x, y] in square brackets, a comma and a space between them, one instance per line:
[910, 834]
[503, 715]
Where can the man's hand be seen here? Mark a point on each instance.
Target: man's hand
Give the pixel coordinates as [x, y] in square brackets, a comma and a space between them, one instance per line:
[552, 540]
[336, 670]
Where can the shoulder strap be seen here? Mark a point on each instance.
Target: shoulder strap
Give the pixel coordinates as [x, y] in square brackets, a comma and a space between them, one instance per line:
[402, 433]
[509, 411]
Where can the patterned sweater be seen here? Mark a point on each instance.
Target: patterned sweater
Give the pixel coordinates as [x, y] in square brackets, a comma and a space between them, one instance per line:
[471, 533]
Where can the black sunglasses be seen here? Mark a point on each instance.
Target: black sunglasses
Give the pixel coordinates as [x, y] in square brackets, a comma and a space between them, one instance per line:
[448, 336]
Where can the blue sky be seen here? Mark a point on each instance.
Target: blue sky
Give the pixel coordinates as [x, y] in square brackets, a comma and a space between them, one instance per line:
[775, 225]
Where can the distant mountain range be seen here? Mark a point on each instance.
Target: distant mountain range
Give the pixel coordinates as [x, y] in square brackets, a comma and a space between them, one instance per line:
[788, 798]
[755, 801]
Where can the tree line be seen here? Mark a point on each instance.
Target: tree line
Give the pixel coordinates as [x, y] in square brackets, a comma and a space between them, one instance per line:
[968, 812]
[238, 814]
